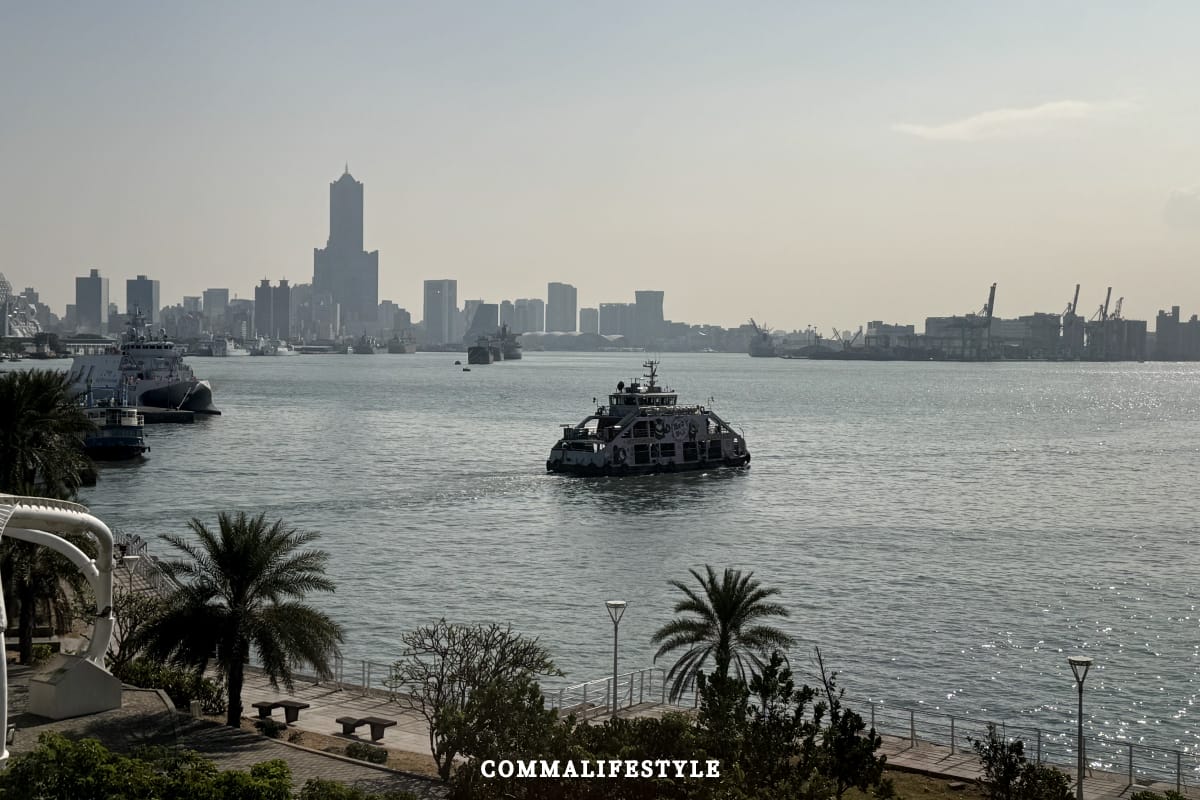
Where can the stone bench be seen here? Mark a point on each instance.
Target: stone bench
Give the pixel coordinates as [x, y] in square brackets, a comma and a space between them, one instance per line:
[291, 709]
[378, 725]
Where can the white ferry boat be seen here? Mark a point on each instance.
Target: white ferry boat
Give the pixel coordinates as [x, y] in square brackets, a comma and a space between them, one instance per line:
[147, 370]
[642, 430]
[119, 435]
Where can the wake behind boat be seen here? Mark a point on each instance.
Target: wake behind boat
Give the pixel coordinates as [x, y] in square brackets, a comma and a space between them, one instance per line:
[644, 430]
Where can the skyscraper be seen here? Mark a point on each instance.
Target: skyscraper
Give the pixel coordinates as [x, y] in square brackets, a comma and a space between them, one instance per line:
[281, 312]
[589, 320]
[91, 303]
[648, 317]
[216, 301]
[141, 294]
[342, 268]
[441, 307]
[264, 308]
[561, 307]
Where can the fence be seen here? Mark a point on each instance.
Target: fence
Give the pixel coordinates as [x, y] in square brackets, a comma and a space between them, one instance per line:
[595, 698]
[1142, 763]
[133, 553]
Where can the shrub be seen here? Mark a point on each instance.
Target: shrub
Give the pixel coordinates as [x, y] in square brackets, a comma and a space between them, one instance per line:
[1171, 794]
[181, 685]
[366, 752]
[41, 654]
[270, 728]
[295, 737]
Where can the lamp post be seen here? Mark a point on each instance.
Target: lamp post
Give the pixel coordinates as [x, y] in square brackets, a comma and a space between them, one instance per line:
[1079, 666]
[616, 609]
[129, 563]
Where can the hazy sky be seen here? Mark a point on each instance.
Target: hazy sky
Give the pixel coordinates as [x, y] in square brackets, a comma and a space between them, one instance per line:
[800, 163]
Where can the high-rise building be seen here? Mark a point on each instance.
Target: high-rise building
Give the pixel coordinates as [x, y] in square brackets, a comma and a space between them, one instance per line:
[281, 312]
[342, 268]
[648, 317]
[91, 303]
[561, 307]
[529, 315]
[589, 320]
[441, 307]
[507, 309]
[191, 304]
[263, 309]
[616, 319]
[141, 294]
[216, 302]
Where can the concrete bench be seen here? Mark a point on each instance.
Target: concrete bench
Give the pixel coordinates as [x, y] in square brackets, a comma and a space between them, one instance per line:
[265, 707]
[378, 725]
[291, 709]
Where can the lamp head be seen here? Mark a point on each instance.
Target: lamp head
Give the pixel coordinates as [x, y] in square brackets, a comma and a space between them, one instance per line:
[616, 609]
[1080, 666]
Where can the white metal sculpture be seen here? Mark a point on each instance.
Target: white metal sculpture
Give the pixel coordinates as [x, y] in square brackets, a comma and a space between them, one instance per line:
[40, 520]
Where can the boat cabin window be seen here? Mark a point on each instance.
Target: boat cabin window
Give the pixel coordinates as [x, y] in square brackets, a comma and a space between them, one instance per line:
[668, 450]
[641, 454]
[689, 451]
[714, 448]
[641, 429]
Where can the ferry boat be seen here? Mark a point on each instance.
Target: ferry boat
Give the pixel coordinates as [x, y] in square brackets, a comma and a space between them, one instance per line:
[644, 429]
[119, 435]
[148, 370]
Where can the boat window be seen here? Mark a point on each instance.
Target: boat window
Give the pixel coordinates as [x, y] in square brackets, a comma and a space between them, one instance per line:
[641, 429]
[714, 448]
[689, 451]
[668, 450]
[641, 454]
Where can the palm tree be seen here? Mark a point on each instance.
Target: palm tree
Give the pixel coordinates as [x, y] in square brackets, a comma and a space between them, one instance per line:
[243, 588]
[724, 626]
[41, 426]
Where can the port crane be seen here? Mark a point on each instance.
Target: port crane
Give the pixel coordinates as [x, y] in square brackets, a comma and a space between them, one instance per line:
[1102, 313]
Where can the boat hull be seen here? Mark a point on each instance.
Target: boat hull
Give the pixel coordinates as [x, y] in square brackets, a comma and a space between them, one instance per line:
[195, 397]
[115, 451]
[608, 470]
[480, 355]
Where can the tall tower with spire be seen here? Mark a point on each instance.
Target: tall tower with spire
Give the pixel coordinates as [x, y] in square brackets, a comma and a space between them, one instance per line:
[342, 269]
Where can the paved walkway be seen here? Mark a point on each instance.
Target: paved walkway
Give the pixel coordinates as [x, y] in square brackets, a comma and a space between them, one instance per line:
[147, 717]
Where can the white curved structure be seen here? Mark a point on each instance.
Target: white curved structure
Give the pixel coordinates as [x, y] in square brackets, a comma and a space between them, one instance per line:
[88, 690]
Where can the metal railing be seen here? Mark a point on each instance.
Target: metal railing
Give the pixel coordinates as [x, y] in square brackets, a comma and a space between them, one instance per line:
[1141, 763]
[595, 698]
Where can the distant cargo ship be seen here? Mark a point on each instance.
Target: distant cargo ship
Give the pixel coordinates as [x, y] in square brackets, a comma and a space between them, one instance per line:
[761, 344]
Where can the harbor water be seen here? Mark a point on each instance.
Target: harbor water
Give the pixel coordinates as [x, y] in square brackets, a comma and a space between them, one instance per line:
[946, 533]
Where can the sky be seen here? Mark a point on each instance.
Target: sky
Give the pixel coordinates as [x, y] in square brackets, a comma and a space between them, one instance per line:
[799, 163]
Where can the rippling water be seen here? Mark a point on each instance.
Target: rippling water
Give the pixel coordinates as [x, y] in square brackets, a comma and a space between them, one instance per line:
[947, 533]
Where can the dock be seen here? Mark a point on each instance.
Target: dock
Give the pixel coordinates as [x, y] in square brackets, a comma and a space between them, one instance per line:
[159, 416]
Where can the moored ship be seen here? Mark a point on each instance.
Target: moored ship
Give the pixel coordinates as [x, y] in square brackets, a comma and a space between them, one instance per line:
[485, 351]
[401, 343]
[643, 430]
[146, 370]
[510, 345]
[761, 343]
[119, 435]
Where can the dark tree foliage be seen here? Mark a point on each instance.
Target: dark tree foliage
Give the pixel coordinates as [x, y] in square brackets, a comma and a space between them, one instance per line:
[1007, 775]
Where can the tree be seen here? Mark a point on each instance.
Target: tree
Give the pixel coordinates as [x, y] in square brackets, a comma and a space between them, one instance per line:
[726, 627]
[242, 588]
[1007, 775]
[847, 753]
[447, 664]
[41, 430]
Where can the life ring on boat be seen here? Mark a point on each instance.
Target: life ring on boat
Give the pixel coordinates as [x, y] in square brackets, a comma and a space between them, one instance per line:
[619, 456]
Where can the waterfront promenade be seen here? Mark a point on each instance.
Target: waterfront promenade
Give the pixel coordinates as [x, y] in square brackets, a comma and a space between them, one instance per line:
[328, 701]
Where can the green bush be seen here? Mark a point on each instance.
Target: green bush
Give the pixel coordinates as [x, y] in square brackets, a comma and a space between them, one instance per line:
[181, 685]
[62, 768]
[41, 654]
[366, 752]
[1171, 794]
[271, 728]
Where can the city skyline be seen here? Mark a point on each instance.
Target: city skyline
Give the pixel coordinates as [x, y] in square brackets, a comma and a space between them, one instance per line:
[798, 164]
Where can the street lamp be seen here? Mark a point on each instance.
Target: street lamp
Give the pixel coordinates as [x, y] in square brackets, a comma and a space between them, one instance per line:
[616, 609]
[1080, 665]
